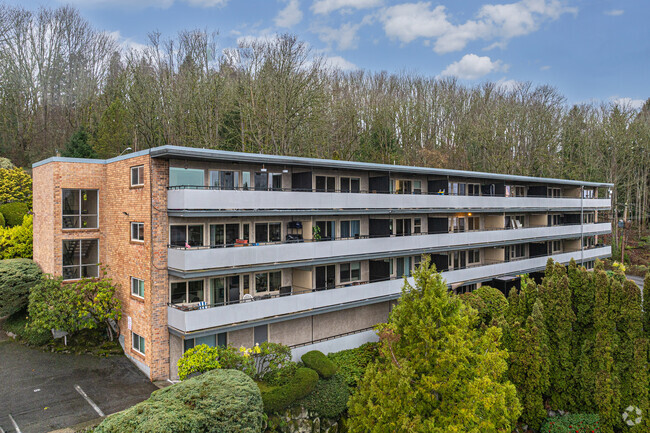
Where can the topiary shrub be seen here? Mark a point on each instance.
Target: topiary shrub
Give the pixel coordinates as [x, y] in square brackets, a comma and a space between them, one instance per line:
[13, 213]
[198, 359]
[278, 398]
[17, 277]
[352, 363]
[219, 401]
[317, 361]
[281, 376]
[572, 423]
[329, 399]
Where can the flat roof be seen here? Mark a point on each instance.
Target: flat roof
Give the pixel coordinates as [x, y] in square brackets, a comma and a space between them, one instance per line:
[181, 152]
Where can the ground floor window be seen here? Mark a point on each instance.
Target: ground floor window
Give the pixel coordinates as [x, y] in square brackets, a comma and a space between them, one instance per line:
[137, 342]
[212, 340]
[80, 258]
[261, 334]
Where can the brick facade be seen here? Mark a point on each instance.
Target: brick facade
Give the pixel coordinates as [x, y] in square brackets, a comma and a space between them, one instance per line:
[119, 205]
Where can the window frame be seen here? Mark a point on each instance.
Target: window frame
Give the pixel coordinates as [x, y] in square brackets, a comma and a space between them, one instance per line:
[140, 175]
[348, 277]
[268, 232]
[140, 231]
[142, 346]
[81, 265]
[80, 213]
[187, 291]
[140, 287]
[268, 282]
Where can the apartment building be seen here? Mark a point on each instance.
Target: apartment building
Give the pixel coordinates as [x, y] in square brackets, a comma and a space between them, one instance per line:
[215, 247]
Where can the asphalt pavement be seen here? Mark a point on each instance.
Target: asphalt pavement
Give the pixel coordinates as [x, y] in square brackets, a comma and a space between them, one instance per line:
[43, 391]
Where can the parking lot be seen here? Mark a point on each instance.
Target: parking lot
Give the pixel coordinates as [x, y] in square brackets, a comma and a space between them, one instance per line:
[40, 391]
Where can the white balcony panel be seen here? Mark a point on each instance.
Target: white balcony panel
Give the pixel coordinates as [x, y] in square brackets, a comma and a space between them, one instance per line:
[189, 321]
[336, 344]
[214, 258]
[198, 199]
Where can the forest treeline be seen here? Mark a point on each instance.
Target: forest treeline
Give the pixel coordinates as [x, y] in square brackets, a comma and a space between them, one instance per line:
[59, 74]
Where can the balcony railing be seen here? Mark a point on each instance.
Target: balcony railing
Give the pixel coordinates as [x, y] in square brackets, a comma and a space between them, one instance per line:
[192, 259]
[186, 319]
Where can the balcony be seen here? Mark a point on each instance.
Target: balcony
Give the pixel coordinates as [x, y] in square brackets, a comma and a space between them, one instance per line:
[346, 297]
[189, 202]
[181, 260]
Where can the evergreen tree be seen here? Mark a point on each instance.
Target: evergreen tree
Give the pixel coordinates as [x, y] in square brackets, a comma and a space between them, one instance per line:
[437, 372]
[559, 318]
[78, 146]
[646, 306]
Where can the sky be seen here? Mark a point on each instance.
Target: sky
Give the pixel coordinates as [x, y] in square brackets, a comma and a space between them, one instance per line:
[590, 50]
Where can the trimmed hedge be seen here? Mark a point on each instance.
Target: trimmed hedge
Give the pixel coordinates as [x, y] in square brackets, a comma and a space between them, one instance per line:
[329, 399]
[17, 277]
[316, 360]
[219, 401]
[352, 362]
[281, 397]
[13, 213]
[572, 423]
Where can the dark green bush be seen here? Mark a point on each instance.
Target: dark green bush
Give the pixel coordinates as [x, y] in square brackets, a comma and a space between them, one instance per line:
[17, 277]
[329, 399]
[281, 397]
[13, 213]
[219, 401]
[17, 324]
[316, 360]
[352, 362]
[282, 375]
[572, 423]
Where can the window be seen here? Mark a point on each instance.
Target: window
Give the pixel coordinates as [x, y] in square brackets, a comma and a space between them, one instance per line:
[268, 232]
[224, 234]
[246, 180]
[261, 181]
[588, 193]
[556, 246]
[473, 256]
[184, 235]
[79, 208]
[137, 287]
[473, 223]
[459, 259]
[554, 220]
[268, 281]
[275, 181]
[417, 225]
[589, 241]
[517, 251]
[403, 186]
[350, 229]
[350, 184]
[137, 342]
[473, 189]
[588, 218]
[555, 192]
[456, 224]
[137, 232]
[467, 288]
[261, 334]
[515, 221]
[80, 259]
[417, 187]
[227, 180]
[403, 265]
[137, 175]
[416, 261]
[515, 191]
[185, 177]
[350, 272]
[326, 230]
[325, 184]
[456, 188]
[187, 291]
[402, 227]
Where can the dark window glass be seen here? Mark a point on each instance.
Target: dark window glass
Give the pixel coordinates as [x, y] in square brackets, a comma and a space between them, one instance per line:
[217, 236]
[188, 344]
[177, 236]
[331, 184]
[275, 230]
[275, 180]
[232, 233]
[261, 282]
[80, 259]
[355, 184]
[179, 295]
[345, 184]
[246, 234]
[195, 235]
[261, 233]
[261, 181]
[345, 229]
[275, 280]
[261, 334]
[195, 291]
[222, 339]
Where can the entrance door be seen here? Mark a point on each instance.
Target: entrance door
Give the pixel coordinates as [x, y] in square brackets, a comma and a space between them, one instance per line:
[325, 277]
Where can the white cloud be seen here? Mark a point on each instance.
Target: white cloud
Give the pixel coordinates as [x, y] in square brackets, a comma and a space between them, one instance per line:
[127, 43]
[545, 68]
[162, 4]
[508, 85]
[338, 62]
[628, 102]
[324, 7]
[500, 22]
[290, 15]
[471, 67]
[263, 37]
[614, 12]
[207, 3]
[344, 37]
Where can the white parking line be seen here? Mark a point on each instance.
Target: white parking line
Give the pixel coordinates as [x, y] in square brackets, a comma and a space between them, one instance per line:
[90, 402]
[1, 431]
[13, 421]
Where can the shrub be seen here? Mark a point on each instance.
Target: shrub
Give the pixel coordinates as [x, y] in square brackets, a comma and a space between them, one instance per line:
[15, 186]
[198, 359]
[352, 362]
[316, 360]
[270, 357]
[495, 303]
[329, 399]
[572, 423]
[17, 242]
[279, 398]
[281, 376]
[2, 220]
[17, 324]
[17, 277]
[219, 401]
[13, 213]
